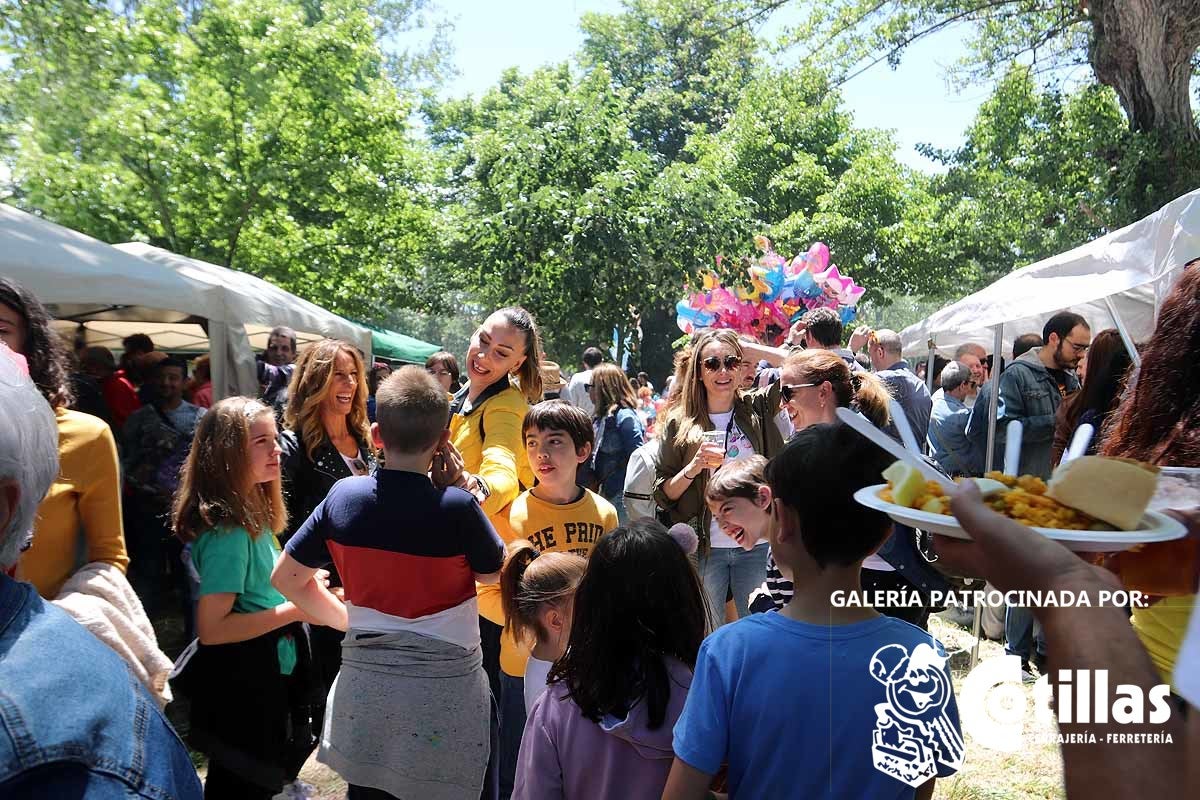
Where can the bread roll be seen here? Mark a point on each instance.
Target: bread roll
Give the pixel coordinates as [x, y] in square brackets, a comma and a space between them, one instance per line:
[1114, 490]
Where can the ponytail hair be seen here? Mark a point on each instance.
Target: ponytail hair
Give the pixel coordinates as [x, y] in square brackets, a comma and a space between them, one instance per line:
[529, 580]
[871, 398]
[862, 391]
[529, 376]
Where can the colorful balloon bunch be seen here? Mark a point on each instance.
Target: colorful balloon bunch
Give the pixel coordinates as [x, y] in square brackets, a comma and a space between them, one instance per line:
[780, 292]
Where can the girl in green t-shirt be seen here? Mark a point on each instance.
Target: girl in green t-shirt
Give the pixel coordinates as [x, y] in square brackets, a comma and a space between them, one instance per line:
[248, 681]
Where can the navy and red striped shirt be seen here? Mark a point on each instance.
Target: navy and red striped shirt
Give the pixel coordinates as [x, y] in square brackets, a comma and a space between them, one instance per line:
[407, 553]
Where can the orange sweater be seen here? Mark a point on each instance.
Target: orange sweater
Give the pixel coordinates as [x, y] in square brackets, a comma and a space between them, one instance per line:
[80, 520]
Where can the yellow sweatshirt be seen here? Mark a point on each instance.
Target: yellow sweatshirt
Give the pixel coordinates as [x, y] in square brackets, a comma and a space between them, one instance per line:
[498, 455]
[80, 520]
[571, 528]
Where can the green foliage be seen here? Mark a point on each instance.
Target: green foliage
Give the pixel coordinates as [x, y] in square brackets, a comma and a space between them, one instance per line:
[1040, 172]
[262, 135]
[683, 63]
[791, 149]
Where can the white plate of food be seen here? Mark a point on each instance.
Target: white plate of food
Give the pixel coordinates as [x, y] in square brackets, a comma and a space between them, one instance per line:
[1154, 526]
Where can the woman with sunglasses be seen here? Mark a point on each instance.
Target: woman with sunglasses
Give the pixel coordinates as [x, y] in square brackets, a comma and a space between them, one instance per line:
[714, 422]
[326, 438]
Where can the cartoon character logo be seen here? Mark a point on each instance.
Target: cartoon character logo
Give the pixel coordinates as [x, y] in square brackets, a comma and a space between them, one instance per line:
[913, 730]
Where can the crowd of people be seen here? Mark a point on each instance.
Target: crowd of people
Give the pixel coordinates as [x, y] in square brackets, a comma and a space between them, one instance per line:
[491, 582]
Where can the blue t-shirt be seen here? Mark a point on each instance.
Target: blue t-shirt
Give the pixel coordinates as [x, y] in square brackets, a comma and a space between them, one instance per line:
[807, 711]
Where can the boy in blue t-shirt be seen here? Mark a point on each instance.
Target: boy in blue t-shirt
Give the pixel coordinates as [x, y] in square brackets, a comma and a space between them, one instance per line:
[818, 700]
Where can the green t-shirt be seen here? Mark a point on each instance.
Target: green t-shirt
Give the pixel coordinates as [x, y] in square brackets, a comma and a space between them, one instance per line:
[231, 561]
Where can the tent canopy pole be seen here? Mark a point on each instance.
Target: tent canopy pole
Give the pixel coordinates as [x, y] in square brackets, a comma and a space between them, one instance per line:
[929, 376]
[1130, 347]
[993, 408]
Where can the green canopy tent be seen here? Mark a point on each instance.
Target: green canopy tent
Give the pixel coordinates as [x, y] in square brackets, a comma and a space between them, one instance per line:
[398, 347]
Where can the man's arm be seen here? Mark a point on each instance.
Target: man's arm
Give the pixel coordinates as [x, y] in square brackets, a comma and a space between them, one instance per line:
[1094, 637]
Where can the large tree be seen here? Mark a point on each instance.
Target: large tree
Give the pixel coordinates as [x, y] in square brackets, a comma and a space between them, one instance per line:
[1144, 49]
[683, 62]
[558, 208]
[267, 135]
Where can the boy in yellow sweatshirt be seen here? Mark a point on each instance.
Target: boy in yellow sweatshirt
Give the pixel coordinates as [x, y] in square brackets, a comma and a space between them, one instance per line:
[556, 515]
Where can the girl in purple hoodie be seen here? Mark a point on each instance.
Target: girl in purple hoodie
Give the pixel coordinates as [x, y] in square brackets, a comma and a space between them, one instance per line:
[602, 730]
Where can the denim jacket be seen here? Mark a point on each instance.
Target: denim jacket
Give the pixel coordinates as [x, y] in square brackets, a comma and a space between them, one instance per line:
[623, 433]
[1029, 392]
[74, 722]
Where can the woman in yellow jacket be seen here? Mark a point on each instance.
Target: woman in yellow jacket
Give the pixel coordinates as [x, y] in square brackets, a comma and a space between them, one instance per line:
[485, 429]
[486, 414]
[79, 522]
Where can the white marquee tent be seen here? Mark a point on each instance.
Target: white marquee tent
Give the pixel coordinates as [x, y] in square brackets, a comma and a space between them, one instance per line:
[182, 303]
[1133, 268]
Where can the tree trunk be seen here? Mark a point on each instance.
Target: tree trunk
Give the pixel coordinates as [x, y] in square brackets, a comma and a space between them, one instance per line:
[1143, 49]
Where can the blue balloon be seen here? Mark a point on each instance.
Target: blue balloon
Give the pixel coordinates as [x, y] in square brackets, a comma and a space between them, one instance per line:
[686, 315]
[848, 313]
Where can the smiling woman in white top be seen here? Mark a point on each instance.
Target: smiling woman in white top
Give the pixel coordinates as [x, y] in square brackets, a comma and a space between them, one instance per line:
[714, 422]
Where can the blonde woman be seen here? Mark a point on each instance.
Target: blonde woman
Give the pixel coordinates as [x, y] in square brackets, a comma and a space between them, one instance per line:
[326, 438]
[713, 422]
[619, 431]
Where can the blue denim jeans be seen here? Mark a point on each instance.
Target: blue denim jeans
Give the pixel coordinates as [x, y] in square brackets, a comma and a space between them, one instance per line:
[731, 569]
[512, 725]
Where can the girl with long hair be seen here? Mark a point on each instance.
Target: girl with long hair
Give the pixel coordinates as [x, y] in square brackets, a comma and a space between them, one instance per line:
[537, 591]
[1103, 381]
[82, 510]
[247, 682]
[619, 431]
[713, 422]
[602, 730]
[1158, 421]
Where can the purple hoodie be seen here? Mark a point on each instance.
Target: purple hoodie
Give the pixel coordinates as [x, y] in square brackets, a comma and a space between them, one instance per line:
[565, 755]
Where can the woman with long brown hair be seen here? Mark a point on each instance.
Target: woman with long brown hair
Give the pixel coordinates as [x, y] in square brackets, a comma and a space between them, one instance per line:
[503, 379]
[619, 431]
[247, 683]
[1158, 421]
[1103, 381]
[327, 437]
[81, 515]
[714, 422]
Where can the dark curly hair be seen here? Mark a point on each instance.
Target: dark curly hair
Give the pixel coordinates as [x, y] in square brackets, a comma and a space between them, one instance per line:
[44, 349]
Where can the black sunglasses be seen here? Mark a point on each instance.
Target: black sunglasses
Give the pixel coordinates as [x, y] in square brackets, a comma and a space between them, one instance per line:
[789, 389]
[713, 363]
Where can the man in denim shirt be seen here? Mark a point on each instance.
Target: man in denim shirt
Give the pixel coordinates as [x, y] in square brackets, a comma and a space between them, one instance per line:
[910, 391]
[948, 442]
[74, 722]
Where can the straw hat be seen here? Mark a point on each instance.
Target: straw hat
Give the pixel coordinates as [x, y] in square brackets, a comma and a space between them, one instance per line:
[551, 377]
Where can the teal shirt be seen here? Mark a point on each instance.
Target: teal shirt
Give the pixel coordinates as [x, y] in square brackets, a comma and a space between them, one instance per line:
[231, 561]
